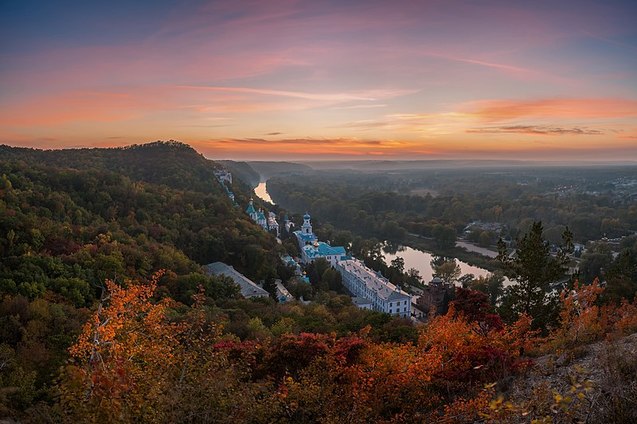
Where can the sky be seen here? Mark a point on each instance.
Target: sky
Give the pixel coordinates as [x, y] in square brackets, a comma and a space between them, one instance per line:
[314, 80]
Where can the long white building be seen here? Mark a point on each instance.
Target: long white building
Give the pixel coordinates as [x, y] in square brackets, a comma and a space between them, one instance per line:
[364, 283]
[370, 289]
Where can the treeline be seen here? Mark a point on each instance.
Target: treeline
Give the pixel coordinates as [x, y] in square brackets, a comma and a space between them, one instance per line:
[385, 205]
[169, 163]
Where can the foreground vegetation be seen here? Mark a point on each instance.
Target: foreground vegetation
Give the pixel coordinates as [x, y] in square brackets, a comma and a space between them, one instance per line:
[139, 359]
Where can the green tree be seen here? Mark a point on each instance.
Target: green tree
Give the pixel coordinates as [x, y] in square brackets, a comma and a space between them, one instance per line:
[333, 279]
[445, 236]
[492, 285]
[447, 269]
[534, 270]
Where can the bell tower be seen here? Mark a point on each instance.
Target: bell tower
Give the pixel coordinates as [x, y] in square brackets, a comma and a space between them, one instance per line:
[306, 228]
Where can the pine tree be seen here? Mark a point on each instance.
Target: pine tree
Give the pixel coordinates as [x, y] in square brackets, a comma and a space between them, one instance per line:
[535, 271]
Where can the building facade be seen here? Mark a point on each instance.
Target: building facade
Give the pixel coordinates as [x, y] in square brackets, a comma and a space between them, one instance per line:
[311, 248]
[383, 296]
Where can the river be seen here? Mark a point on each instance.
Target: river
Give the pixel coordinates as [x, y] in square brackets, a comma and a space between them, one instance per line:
[262, 192]
[418, 259]
[421, 261]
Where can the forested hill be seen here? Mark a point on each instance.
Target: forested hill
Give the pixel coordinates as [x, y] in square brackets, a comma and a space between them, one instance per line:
[244, 171]
[171, 163]
[92, 214]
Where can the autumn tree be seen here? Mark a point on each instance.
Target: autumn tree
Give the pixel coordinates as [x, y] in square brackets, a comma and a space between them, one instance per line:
[132, 362]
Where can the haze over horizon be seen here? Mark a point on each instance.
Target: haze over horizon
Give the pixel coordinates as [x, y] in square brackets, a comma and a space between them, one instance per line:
[302, 80]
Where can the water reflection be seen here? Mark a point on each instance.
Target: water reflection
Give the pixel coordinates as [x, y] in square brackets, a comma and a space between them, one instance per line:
[262, 192]
[421, 261]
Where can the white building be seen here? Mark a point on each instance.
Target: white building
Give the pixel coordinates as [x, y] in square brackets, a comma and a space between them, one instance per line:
[262, 220]
[363, 282]
[268, 223]
[223, 175]
[312, 249]
[273, 225]
[288, 224]
[251, 211]
[282, 294]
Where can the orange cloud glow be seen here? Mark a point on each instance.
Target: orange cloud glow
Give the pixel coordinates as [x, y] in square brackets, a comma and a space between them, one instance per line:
[590, 108]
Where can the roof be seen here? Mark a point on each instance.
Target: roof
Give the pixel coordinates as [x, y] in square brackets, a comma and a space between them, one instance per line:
[320, 249]
[248, 288]
[260, 216]
[306, 216]
[289, 260]
[250, 209]
[325, 249]
[378, 284]
[361, 301]
[282, 292]
[304, 237]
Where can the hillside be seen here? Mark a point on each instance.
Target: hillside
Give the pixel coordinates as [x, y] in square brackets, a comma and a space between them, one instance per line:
[244, 171]
[71, 220]
[171, 163]
[106, 315]
[165, 191]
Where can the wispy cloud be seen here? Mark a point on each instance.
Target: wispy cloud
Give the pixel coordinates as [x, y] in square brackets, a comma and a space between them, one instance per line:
[369, 95]
[364, 106]
[535, 130]
[503, 67]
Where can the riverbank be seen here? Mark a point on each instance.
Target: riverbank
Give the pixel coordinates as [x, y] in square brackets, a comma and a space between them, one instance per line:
[472, 258]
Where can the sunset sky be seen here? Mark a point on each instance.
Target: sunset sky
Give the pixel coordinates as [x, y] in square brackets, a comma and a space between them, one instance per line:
[324, 79]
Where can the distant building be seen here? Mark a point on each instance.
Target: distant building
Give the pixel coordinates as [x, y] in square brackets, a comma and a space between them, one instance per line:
[287, 223]
[268, 223]
[223, 175]
[261, 220]
[494, 227]
[251, 211]
[319, 249]
[289, 261]
[248, 288]
[370, 290]
[365, 283]
[282, 294]
[435, 298]
[273, 225]
[305, 235]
